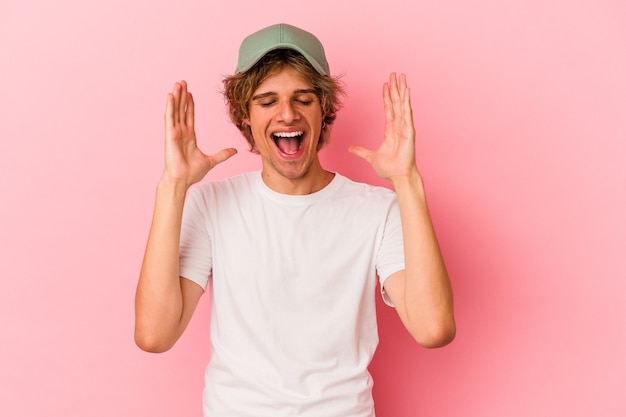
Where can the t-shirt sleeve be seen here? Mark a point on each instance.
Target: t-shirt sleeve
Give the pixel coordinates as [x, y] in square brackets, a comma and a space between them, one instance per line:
[195, 260]
[390, 257]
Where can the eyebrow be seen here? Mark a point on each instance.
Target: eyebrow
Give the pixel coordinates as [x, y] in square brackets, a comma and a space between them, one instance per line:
[271, 93]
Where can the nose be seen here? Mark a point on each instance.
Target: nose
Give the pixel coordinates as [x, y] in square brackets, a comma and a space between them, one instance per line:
[287, 113]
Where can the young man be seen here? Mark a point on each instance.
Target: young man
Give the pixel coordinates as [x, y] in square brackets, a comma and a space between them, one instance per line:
[291, 253]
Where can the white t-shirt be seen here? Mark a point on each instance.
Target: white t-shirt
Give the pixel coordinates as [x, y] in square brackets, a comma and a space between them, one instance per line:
[293, 319]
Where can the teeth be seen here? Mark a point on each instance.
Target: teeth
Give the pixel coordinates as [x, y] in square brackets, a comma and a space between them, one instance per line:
[288, 134]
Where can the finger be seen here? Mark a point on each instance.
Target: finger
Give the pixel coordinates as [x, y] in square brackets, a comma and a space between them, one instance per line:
[182, 108]
[176, 104]
[189, 114]
[402, 88]
[169, 112]
[387, 103]
[393, 80]
[408, 108]
[395, 94]
[222, 155]
[360, 151]
[402, 84]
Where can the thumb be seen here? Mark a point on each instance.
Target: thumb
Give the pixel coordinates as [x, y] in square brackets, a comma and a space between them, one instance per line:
[222, 155]
[360, 151]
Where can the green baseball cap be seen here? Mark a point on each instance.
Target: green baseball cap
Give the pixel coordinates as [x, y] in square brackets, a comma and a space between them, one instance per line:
[282, 36]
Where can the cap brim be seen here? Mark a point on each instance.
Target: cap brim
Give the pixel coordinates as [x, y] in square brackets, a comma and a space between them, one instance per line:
[245, 66]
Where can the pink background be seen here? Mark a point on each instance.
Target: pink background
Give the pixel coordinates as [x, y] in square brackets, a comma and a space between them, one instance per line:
[521, 118]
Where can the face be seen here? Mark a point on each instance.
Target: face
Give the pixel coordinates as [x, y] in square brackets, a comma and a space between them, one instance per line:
[286, 121]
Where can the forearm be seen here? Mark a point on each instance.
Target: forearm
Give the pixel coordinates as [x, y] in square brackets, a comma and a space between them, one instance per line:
[427, 296]
[159, 299]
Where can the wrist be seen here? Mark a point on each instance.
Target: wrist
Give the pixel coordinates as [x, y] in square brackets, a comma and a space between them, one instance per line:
[411, 179]
[172, 186]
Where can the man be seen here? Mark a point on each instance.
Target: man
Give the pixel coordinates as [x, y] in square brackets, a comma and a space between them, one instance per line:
[291, 253]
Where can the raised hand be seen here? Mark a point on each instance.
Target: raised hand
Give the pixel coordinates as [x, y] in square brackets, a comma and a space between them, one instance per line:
[184, 161]
[395, 157]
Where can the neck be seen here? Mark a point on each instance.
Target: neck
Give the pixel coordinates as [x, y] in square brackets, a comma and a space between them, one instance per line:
[312, 181]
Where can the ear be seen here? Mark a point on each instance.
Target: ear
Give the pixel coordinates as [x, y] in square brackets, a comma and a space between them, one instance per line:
[245, 121]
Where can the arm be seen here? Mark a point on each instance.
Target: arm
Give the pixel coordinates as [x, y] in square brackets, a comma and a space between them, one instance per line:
[164, 302]
[422, 293]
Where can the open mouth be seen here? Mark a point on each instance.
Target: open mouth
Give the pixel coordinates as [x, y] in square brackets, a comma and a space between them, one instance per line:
[288, 143]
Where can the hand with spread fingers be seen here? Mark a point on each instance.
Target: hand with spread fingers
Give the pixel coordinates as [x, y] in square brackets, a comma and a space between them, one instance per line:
[395, 158]
[184, 161]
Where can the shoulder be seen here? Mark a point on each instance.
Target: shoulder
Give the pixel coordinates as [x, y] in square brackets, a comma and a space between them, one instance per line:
[363, 191]
[358, 200]
[236, 183]
[227, 192]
